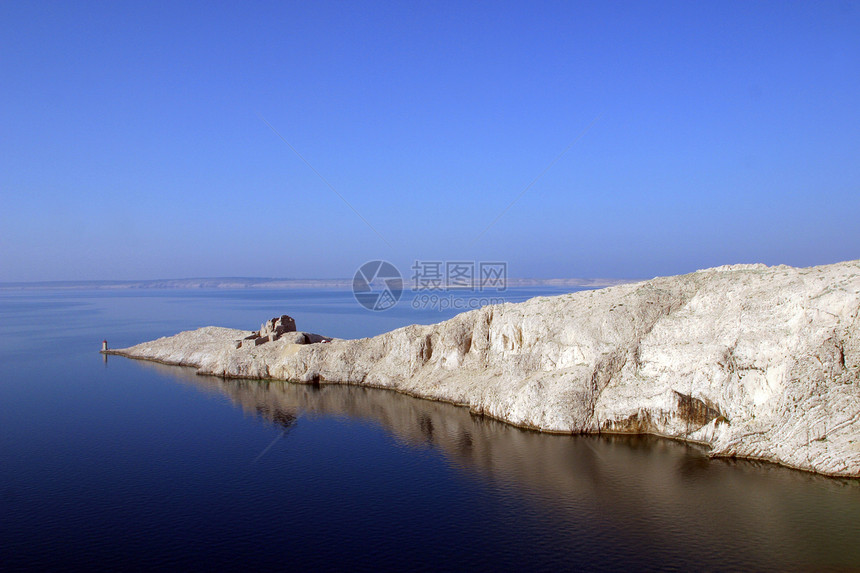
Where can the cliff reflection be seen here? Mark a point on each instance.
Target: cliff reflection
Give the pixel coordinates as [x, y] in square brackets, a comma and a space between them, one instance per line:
[478, 443]
[612, 483]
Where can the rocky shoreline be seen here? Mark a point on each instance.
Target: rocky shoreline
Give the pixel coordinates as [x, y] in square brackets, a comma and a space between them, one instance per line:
[753, 361]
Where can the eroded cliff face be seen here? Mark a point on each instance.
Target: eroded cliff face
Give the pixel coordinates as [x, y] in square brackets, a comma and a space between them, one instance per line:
[755, 361]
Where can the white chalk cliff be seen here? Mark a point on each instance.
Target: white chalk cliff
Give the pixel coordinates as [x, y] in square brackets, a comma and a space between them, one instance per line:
[755, 361]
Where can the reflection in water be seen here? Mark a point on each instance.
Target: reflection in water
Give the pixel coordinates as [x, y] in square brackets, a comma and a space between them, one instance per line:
[660, 493]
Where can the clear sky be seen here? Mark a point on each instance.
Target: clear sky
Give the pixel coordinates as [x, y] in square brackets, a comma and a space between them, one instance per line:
[134, 143]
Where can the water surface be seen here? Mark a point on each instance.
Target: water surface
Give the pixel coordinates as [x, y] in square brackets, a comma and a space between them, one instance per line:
[120, 463]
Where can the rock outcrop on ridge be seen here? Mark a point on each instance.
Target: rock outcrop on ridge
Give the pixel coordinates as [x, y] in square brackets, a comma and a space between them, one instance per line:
[283, 327]
[757, 362]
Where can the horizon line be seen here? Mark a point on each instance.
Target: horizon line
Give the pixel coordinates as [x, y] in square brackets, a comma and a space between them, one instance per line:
[239, 282]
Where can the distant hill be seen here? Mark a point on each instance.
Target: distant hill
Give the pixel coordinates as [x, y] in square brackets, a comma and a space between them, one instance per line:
[275, 283]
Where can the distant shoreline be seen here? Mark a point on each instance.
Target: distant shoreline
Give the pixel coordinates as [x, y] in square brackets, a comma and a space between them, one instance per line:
[236, 283]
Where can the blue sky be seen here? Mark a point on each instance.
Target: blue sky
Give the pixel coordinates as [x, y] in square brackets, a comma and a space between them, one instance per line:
[133, 143]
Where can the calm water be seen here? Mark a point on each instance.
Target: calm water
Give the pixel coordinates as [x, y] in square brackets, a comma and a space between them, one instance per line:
[126, 464]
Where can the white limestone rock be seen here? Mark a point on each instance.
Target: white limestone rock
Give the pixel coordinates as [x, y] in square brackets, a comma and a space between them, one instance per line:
[277, 326]
[755, 361]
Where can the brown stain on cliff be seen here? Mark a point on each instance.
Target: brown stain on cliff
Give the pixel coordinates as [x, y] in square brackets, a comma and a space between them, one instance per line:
[694, 411]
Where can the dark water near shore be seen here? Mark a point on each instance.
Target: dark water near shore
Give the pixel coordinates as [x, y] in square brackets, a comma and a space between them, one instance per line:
[133, 465]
